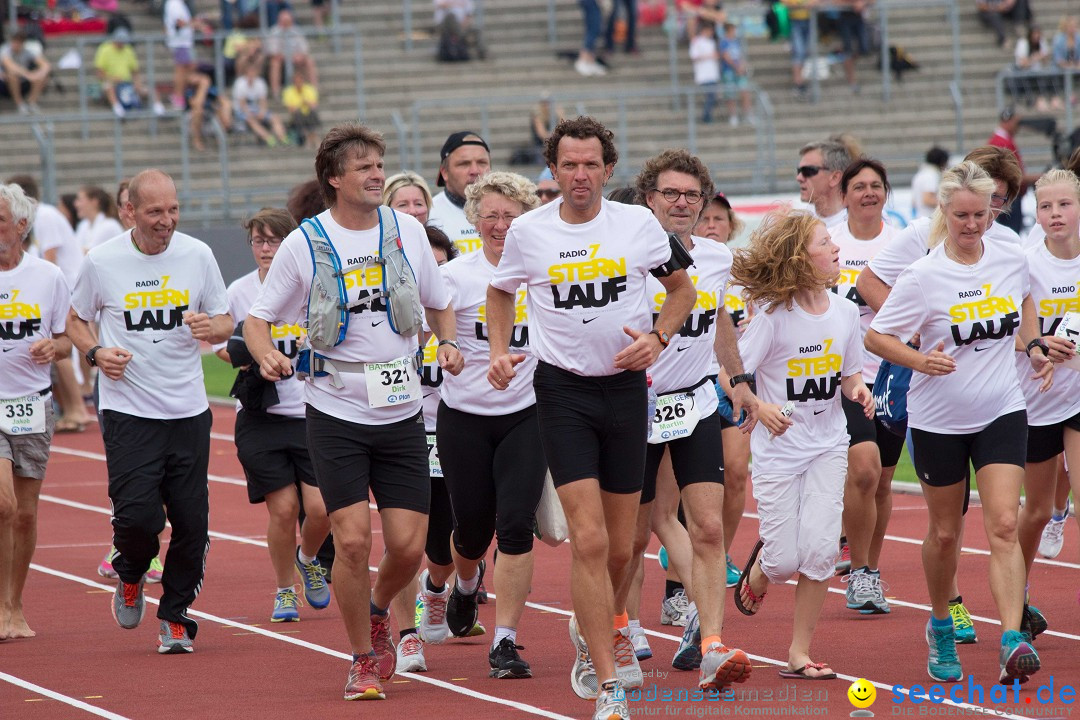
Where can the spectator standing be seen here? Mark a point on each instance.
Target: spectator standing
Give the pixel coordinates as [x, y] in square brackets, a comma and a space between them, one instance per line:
[250, 103]
[301, 99]
[586, 63]
[180, 28]
[706, 60]
[156, 420]
[799, 24]
[24, 72]
[630, 43]
[118, 69]
[924, 184]
[735, 74]
[854, 38]
[285, 40]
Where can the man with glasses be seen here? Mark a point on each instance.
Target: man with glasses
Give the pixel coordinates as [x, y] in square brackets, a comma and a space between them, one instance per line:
[546, 187]
[464, 158]
[156, 294]
[584, 262]
[675, 185]
[821, 165]
[271, 436]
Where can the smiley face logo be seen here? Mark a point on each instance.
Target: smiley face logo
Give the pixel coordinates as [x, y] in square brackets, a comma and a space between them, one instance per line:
[861, 694]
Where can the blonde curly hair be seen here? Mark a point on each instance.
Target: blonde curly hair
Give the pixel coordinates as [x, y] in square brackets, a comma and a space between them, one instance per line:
[510, 185]
[776, 264]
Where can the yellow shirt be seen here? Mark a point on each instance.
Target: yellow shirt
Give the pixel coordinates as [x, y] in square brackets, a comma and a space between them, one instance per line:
[118, 64]
[797, 9]
[302, 100]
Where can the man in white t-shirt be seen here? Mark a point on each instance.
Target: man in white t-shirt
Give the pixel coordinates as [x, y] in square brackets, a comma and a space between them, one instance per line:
[924, 183]
[157, 294]
[584, 262]
[33, 306]
[365, 426]
[463, 159]
[821, 165]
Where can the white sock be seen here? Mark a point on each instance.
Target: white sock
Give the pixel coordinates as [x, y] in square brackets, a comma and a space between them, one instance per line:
[634, 625]
[469, 586]
[501, 631]
[1059, 513]
[304, 559]
[286, 589]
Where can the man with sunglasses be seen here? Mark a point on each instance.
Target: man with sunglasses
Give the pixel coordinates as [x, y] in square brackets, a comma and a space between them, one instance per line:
[821, 165]
[546, 187]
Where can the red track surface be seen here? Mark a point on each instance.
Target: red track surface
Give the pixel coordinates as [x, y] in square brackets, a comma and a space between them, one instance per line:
[244, 667]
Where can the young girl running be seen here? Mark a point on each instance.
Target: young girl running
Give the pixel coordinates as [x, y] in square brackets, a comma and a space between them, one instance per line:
[804, 345]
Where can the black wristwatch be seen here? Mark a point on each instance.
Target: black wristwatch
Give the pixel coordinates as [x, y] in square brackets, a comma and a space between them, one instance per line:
[743, 378]
[451, 343]
[662, 336]
[1039, 343]
[90, 356]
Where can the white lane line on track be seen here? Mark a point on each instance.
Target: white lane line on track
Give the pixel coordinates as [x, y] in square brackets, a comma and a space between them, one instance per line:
[98, 456]
[53, 695]
[535, 606]
[532, 710]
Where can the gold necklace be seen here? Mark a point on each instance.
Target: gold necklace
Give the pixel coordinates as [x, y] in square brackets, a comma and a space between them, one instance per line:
[956, 257]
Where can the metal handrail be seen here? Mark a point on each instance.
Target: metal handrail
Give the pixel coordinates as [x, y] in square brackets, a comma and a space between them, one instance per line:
[1012, 73]
[403, 137]
[958, 109]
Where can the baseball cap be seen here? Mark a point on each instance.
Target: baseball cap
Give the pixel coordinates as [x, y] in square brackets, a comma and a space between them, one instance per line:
[721, 198]
[456, 140]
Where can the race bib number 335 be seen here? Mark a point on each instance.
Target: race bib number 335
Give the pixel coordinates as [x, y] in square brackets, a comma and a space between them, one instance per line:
[392, 383]
[22, 415]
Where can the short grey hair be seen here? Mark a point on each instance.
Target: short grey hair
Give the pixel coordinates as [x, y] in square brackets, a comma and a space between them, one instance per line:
[510, 185]
[20, 205]
[836, 156]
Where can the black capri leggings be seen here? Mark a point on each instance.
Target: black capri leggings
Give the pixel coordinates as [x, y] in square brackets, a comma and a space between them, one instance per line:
[494, 471]
[440, 519]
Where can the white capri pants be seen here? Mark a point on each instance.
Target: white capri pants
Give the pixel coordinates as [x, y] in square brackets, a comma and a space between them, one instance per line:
[800, 517]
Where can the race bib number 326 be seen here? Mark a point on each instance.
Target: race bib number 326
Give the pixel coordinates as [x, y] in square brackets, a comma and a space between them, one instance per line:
[392, 383]
[23, 415]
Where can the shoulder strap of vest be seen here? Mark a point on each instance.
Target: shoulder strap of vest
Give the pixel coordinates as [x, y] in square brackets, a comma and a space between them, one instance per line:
[319, 243]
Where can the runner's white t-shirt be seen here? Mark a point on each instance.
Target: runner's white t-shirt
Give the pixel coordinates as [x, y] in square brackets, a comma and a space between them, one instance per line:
[286, 338]
[1054, 291]
[284, 296]
[467, 279]
[837, 218]
[926, 180]
[909, 244]
[691, 356]
[34, 302]
[802, 358]
[431, 380]
[53, 232]
[142, 300]
[91, 233]
[975, 311]
[1035, 236]
[449, 218]
[735, 304]
[585, 281]
[854, 256]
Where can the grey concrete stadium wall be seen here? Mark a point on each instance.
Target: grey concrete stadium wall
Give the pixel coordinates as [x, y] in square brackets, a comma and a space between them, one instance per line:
[230, 248]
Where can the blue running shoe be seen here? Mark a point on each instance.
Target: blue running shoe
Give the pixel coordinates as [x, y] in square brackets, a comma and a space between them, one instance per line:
[943, 663]
[1019, 661]
[688, 656]
[286, 606]
[733, 573]
[313, 577]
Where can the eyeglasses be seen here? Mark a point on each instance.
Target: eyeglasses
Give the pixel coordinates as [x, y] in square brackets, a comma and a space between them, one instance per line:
[808, 171]
[999, 201]
[693, 197]
[548, 193]
[270, 242]
[492, 219]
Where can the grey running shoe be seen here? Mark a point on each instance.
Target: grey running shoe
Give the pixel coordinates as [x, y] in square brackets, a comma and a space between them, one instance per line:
[673, 610]
[432, 625]
[688, 654]
[627, 666]
[128, 604]
[582, 674]
[860, 590]
[173, 639]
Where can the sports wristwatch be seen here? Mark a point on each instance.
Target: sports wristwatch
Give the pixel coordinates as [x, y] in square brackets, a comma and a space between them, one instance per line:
[743, 378]
[662, 336]
[1039, 343]
[90, 356]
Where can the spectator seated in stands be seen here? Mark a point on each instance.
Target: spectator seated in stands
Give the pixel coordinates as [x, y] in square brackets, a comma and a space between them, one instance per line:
[238, 51]
[456, 31]
[245, 13]
[1032, 55]
[121, 82]
[1066, 47]
[994, 13]
[202, 96]
[251, 105]
[24, 72]
[285, 40]
[301, 99]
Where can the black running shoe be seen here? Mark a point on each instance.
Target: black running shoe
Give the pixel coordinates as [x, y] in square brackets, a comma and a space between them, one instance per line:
[481, 591]
[506, 663]
[461, 609]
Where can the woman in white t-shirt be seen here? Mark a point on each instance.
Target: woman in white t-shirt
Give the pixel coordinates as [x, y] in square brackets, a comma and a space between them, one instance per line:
[97, 217]
[489, 443]
[803, 343]
[969, 301]
[873, 450]
[718, 222]
[1053, 417]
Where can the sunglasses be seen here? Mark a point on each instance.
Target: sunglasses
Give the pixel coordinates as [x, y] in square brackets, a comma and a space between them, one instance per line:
[808, 171]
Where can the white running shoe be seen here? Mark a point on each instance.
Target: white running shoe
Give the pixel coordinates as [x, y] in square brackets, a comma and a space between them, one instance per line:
[1053, 535]
[410, 654]
[641, 643]
[432, 627]
[626, 663]
[611, 703]
[582, 674]
[675, 609]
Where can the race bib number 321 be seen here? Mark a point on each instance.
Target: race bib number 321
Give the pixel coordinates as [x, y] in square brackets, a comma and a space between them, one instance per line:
[22, 415]
[392, 383]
